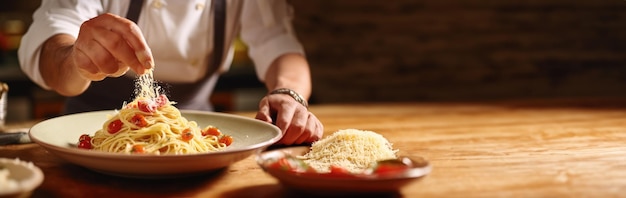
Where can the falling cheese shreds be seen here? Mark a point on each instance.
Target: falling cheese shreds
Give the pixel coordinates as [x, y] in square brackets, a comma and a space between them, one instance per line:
[352, 149]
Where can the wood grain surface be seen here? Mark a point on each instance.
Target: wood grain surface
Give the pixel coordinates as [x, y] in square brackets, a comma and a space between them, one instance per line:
[530, 148]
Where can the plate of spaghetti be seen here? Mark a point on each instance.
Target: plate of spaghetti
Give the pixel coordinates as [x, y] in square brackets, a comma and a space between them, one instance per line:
[150, 138]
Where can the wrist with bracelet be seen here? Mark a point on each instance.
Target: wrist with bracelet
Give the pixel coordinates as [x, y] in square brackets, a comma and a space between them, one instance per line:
[291, 93]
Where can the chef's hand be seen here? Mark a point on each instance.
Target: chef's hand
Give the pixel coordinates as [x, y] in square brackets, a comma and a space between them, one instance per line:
[295, 121]
[108, 46]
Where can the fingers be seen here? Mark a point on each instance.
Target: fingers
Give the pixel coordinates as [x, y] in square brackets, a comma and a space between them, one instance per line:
[86, 67]
[297, 123]
[100, 57]
[121, 71]
[307, 134]
[109, 45]
[131, 34]
[264, 111]
[317, 131]
[292, 128]
[303, 130]
[118, 48]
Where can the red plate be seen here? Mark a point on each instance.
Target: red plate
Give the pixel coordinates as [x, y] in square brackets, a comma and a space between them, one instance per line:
[325, 184]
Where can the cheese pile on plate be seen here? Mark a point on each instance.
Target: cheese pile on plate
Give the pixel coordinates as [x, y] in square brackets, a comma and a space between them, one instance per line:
[351, 149]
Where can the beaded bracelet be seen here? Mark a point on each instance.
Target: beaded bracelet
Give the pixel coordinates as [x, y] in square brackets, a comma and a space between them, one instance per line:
[293, 94]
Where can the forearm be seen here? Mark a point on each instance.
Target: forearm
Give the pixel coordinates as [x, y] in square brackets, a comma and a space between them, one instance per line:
[297, 123]
[57, 68]
[290, 71]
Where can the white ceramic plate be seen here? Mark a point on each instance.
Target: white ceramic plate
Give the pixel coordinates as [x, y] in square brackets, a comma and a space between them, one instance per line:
[340, 186]
[249, 136]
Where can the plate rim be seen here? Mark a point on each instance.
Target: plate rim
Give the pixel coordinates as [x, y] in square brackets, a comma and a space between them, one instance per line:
[422, 171]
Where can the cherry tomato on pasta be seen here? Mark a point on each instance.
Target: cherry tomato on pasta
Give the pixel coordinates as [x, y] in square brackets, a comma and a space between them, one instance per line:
[139, 120]
[84, 137]
[161, 101]
[146, 106]
[186, 135]
[228, 140]
[84, 144]
[211, 130]
[114, 126]
[137, 149]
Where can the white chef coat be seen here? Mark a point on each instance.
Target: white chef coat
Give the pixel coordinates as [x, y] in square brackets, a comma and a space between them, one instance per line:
[179, 33]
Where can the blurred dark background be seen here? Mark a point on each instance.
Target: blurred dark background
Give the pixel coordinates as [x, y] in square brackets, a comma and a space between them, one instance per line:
[413, 50]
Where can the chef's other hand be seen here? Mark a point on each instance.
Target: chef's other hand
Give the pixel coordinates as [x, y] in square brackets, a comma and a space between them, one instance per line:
[295, 121]
[108, 45]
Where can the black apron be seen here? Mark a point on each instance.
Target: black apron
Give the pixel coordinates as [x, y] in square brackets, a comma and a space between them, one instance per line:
[111, 93]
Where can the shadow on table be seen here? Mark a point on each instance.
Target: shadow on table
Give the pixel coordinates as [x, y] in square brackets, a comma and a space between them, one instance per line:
[278, 190]
[87, 183]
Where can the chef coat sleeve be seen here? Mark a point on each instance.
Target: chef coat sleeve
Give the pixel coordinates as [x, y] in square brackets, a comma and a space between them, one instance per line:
[51, 18]
[267, 30]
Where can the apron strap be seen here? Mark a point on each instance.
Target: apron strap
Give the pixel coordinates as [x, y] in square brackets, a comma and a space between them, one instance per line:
[111, 93]
[219, 30]
[134, 10]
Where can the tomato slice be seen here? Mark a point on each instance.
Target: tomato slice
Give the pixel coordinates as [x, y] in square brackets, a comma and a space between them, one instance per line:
[282, 164]
[161, 101]
[150, 106]
[291, 164]
[139, 120]
[390, 167]
[186, 135]
[114, 126]
[228, 140]
[137, 149]
[211, 130]
[146, 106]
[338, 171]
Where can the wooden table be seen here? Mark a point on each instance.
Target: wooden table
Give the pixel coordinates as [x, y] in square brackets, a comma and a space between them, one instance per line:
[543, 148]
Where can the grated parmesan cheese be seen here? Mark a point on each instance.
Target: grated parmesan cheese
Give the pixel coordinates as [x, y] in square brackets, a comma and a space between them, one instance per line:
[146, 87]
[352, 149]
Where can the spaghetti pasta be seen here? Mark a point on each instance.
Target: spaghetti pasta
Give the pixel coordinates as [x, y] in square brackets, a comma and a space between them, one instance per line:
[151, 124]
